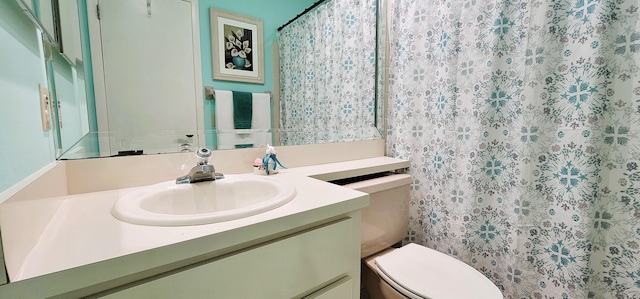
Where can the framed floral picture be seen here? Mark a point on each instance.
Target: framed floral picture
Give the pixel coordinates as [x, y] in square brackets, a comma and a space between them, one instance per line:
[237, 47]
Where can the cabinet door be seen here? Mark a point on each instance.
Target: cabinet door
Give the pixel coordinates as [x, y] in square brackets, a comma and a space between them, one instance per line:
[283, 268]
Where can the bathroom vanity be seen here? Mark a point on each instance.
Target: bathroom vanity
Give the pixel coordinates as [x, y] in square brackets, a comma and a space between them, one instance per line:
[307, 248]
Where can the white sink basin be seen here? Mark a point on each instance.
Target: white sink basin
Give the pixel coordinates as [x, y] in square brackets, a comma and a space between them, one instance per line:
[234, 197]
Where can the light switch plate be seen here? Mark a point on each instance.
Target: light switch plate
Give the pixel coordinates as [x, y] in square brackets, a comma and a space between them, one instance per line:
[45, 108]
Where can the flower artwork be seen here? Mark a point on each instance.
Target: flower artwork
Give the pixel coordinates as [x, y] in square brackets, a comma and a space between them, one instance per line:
[238, 48]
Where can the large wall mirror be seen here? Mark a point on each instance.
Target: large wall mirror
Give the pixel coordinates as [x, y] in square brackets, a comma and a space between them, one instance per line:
[110, 103]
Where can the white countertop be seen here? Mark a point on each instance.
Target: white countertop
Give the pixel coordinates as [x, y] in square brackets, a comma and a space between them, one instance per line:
[83, 238]
[83, 230]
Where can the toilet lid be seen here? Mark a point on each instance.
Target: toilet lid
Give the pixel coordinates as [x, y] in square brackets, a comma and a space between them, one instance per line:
[421, 272]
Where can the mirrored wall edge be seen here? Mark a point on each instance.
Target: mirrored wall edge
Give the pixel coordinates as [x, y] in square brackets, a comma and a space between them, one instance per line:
[49, 31]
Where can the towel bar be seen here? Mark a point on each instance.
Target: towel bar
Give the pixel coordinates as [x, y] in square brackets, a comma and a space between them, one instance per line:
[210, 93]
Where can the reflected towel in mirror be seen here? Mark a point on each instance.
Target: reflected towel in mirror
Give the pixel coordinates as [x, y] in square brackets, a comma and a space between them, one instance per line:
[242, 109]
[228, 136]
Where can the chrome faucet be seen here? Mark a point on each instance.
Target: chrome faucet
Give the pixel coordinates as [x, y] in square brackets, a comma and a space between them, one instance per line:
[203, 171]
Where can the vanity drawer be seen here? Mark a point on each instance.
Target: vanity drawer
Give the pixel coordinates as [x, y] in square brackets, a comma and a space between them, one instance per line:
[283, 268]
[341, 289]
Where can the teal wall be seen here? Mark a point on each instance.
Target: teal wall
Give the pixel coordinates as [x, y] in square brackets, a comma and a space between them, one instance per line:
[273, 13]
[24, 146]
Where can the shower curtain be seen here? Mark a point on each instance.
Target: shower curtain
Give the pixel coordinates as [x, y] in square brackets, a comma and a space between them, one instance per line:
[327, 74]
[521, 120]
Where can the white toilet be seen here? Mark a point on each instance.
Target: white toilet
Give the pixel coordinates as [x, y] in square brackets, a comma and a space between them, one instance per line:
[412, 271]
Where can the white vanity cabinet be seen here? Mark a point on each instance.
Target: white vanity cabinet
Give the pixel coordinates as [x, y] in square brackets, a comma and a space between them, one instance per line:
[316, 263]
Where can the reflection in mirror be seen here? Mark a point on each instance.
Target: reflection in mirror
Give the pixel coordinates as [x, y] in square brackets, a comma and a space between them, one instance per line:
[69, 102]
[27, 4]
[149, 99]
[360, 104]
[46, 12]
[66, 75]
[381, 66]
[42, 13]
[69, 37]
[328, 74]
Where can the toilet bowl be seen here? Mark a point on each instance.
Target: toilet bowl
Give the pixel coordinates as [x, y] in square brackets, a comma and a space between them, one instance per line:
[411, 271]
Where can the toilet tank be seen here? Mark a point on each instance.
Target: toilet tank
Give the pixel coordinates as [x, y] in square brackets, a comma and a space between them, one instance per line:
[385, 220]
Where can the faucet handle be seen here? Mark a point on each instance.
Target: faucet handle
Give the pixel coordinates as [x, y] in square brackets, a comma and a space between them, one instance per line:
[203, 155]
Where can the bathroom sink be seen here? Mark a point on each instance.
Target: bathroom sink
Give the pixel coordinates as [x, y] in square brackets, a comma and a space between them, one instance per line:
[234, 197]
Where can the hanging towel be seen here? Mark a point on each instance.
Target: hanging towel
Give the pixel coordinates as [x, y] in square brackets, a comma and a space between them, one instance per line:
[262, 107]
[242, 109]
[261, 119]
[228, 137]
[224, 110]
[246, 145]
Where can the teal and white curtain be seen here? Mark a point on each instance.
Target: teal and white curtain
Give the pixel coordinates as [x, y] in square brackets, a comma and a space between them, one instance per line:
[522, 123]
[327, 74]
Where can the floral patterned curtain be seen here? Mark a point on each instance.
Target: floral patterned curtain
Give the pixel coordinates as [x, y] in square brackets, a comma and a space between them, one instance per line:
[522, 123]
[327, 74]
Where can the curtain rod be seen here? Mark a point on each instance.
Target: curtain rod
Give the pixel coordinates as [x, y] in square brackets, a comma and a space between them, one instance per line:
[314, 5]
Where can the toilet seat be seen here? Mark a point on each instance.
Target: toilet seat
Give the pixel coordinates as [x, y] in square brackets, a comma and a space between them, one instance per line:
[420, 272]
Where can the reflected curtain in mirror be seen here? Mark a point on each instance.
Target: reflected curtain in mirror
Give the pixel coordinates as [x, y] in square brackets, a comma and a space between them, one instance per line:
[327, 69]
